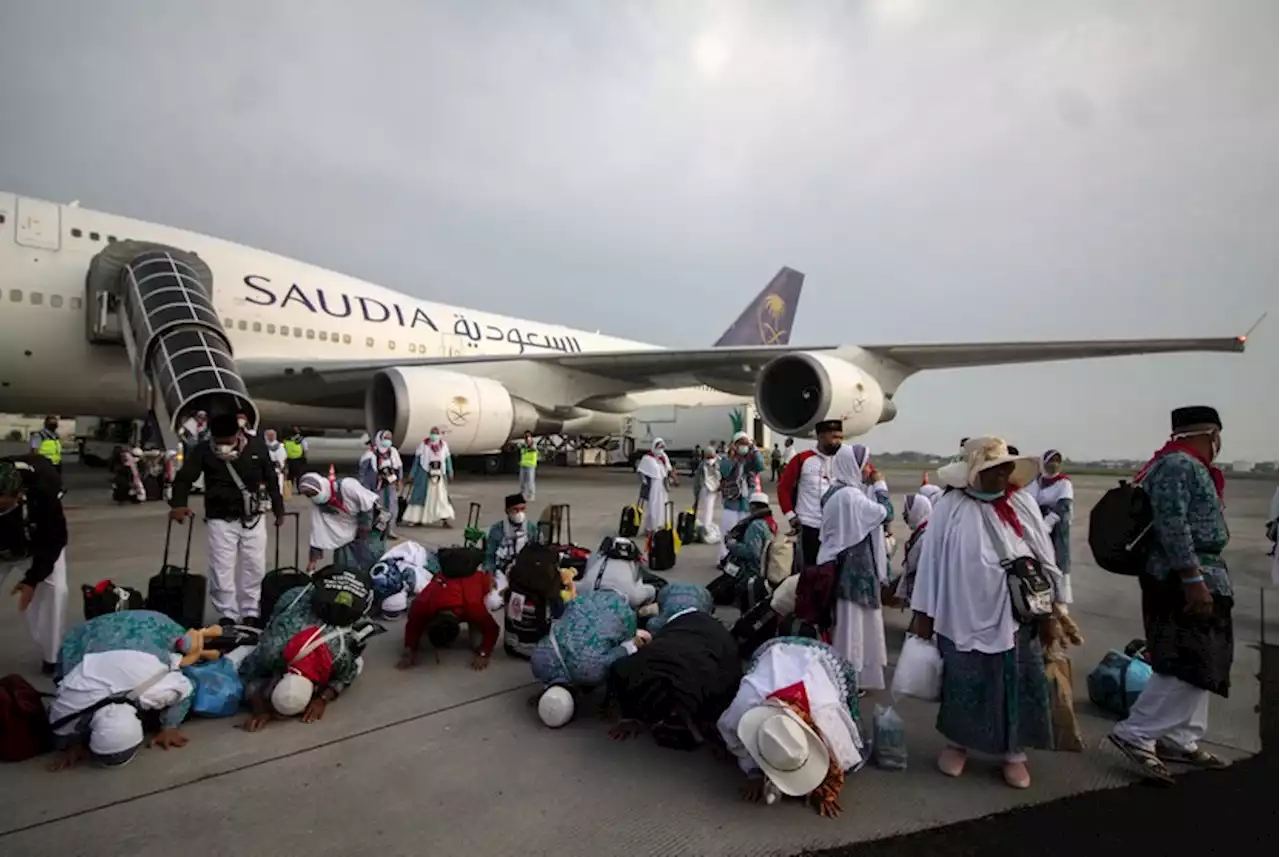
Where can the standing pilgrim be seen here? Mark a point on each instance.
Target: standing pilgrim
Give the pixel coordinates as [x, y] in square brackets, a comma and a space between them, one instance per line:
[804, 481]
[237, 477]
[995, 697]
[739, 478]
[706, 488]
[1055, 496]
[916, 511]
[654, 469]
[345, 520]
[33, 545]
[380, 470]
[852, 540]
[432, 470]
[279, 459]
[1187, 596]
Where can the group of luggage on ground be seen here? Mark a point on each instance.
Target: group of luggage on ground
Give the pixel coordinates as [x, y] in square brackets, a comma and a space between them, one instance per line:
[984, 572]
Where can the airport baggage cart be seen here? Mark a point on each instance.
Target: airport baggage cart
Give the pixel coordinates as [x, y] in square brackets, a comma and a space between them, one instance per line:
[175, 591]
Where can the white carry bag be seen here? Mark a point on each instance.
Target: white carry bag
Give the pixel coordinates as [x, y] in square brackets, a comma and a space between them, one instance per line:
[919, 671]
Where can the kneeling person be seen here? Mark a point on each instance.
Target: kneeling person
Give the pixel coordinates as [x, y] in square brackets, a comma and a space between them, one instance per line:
[441, 608]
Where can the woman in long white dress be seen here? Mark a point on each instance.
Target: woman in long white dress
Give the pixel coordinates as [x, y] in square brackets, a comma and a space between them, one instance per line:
[654, 469]
[852, 538]
[432, 471]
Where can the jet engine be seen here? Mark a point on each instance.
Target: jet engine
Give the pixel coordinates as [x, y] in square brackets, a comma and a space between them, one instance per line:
[475, 415]
[797, 391]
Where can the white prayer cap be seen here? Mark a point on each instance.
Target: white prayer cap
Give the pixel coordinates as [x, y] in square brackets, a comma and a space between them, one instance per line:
[759, 497]
[114, 731]
[742, 435]
[291, 694]
[555, 706]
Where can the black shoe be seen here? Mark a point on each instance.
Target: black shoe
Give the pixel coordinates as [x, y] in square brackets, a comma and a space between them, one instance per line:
[252, 622]
[47, 668]
[227, 622]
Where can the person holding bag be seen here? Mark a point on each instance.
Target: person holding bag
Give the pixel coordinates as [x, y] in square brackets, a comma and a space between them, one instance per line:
[985, 582]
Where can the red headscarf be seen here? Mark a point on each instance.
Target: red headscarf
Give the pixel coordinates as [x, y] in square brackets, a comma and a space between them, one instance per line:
[318, 664]
[1219, 479]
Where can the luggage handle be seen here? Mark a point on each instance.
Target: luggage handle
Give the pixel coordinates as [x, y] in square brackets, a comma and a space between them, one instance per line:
[473, 516]
[669, 515]
[561, 525]
[168, 533]
[297, 541]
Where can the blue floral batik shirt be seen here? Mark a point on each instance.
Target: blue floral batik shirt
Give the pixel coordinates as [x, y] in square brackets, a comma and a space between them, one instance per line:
[1188, 521]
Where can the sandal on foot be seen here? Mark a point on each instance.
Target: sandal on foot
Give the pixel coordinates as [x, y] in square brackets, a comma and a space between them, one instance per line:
[1146, 761]
[951, 761]
[1016, 775]
[1196, 758]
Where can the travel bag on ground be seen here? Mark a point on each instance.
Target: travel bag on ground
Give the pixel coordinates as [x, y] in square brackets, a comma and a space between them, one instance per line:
[24, 721]
[629, 521]
[662, 545]
[218, 688]
[724, 590]
[755, 627]
[687, 526]
[1117, 681]
[106, 597]
[175, 591]
[473, 536]
[571, 555]
[282, 578]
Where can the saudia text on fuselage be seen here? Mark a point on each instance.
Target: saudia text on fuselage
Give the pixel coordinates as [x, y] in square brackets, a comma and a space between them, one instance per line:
[341, 305]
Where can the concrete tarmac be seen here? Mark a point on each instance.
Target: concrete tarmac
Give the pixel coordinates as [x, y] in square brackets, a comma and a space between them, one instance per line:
[444, 760]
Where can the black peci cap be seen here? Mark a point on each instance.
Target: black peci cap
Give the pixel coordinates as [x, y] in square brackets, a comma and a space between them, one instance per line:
[514, 500]
[829, 425]
[1195, 415]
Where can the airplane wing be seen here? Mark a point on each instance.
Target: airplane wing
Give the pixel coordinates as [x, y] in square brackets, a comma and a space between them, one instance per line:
[341, 383]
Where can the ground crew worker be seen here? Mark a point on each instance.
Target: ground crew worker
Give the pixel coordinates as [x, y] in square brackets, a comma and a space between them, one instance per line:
[238, 477]
[295, 449]
[33, 544]
[528, 466]
[47, 443]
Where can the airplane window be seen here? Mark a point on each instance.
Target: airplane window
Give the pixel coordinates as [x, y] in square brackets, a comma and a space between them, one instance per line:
[334, 337]
[413, 348]
[324, 337]
[76, 303]
[111, 239]
[284, 331]
[93, 236]
[55, 301]
[240, 324]
[76, 233]
[228, 323]
[311, 334]
[37, 298]
[271, 328]
[297, 331]
[391, 345]
[15, 295]
[257, 327]
[346, 339]
[368, 342]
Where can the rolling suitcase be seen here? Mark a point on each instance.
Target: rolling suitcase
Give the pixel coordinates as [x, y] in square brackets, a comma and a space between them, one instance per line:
[473, 536]
[175, 591]
[571, 555]
[629, 521]
[754, 627]
[282, 578]
[662, 548]
[687, 526]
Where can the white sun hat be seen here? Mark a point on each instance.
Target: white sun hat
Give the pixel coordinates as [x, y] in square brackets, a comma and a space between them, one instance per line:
[983, 453]
[791, 754]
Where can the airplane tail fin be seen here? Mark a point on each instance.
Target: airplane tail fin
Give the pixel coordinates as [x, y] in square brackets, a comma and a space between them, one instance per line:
[767, 320]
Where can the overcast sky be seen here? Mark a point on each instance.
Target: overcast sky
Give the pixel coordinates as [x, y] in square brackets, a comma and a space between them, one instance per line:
[941, 171]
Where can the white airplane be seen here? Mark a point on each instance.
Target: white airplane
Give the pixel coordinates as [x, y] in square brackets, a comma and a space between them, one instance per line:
[110, 316]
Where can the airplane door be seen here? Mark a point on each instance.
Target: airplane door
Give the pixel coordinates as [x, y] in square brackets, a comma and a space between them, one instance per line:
[39, 224]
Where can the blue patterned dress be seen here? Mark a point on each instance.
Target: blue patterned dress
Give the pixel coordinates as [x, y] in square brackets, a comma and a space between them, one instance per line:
[675, 597]
[996, 704]
[127, 630]
[589, 637]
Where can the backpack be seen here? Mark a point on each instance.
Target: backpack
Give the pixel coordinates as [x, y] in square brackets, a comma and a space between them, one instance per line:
[24, 723]
[779, 558]
[1120, 529]
[341, 596]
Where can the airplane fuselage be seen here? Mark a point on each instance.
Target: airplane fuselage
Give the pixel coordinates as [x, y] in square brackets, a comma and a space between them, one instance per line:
[270, 306]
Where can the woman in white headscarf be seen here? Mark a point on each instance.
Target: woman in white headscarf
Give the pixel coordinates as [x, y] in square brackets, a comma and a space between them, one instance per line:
[654, 469]
[381, 471]
[432, 470]
[852, 539]
[916, 510]
[995, 698]
[279, 459]
[1056, 497]
[110, 669]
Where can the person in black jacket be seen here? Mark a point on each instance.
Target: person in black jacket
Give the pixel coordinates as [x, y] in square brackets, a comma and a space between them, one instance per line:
[239, 480]
[33, 540]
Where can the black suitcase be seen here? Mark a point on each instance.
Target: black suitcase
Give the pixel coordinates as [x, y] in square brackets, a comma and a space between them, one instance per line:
[629, 521]
[751, 590]
[175, 591]
[662, 548]
[282, 578]
[755, 627]
[724, 590]
[106, 597]
[687, 527]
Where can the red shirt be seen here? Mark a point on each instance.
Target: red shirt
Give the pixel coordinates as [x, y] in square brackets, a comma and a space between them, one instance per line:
[462, 596]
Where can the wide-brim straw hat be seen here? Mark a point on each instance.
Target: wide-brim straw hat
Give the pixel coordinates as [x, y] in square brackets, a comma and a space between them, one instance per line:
[984, 453]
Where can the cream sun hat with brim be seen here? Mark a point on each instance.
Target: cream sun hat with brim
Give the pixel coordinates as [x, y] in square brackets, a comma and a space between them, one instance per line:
[792, 756]
[983, 453]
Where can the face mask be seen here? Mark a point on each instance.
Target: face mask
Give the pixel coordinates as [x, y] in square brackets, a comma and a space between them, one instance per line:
[984, 496]
[226, 451]
[516, 517]
[434, 437]
[385, 444]
[743, 448]
[319, 500]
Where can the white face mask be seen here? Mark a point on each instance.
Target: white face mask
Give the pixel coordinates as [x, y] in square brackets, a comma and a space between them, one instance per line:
[516, 517]
[433, 438]
[743, 448]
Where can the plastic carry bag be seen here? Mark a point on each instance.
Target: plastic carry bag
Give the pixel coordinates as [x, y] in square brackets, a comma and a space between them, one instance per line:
[889, 741]
[919, 671]
[218, 689]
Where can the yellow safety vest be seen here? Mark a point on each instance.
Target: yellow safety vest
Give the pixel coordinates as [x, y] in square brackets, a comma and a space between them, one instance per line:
[51, 448]
[292, 449]
[528, 456]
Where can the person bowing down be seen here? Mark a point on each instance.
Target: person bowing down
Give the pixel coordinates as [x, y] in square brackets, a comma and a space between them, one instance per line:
[345, 519]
